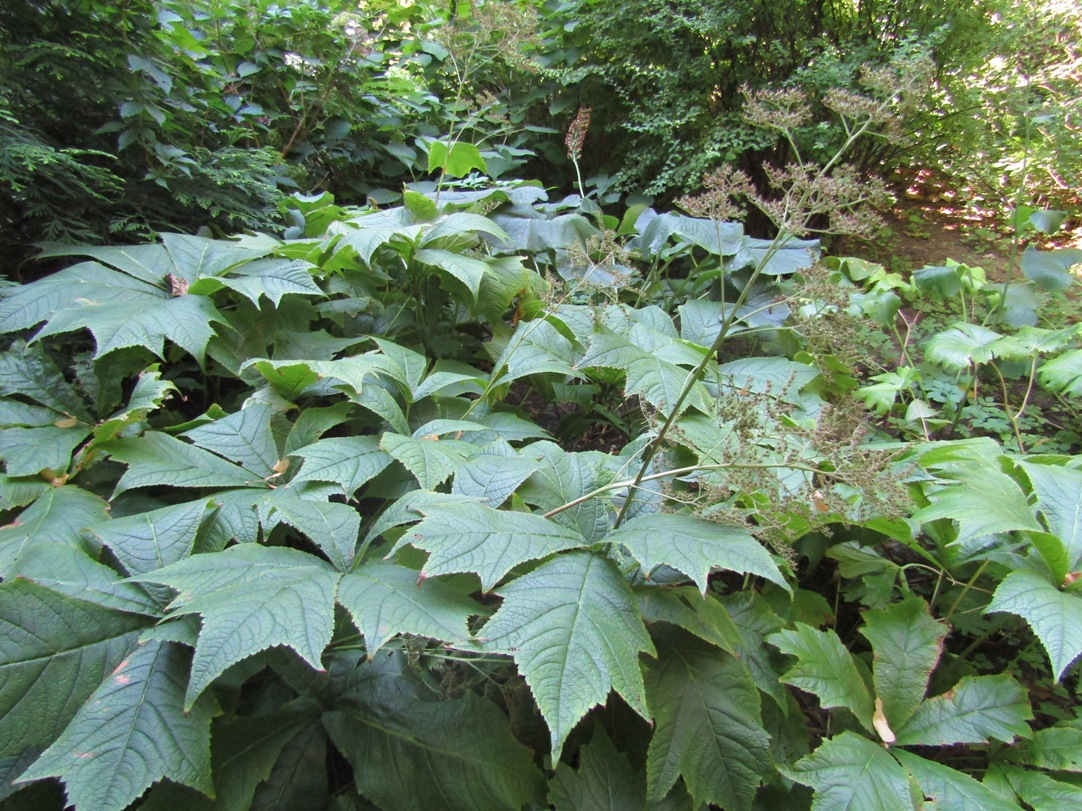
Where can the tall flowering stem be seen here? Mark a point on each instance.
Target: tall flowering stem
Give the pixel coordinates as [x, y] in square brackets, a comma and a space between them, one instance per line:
[576, 137]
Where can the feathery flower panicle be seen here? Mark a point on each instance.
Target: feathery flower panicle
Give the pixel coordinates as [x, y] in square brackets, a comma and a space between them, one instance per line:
[721, 189]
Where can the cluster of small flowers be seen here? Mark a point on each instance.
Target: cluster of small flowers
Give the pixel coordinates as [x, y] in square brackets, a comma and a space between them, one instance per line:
[576, 133]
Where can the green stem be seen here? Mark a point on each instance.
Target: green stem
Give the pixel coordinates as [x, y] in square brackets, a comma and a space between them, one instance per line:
[965, 590]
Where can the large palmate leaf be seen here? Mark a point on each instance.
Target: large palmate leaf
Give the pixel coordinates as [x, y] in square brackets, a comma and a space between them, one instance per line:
[700, 614]
[46, 449]
[1063, 373]
[149, 393]
[69, 571]
[252, 598]
[331, 526]
[1058, 748]
[718, 238]
[708, 728]
[133, 731]
[54, 652]
[850, 772]
[574, 630]
[492, 477]
[349, 462]
[247, 752]
[157, 458]
[537, 347]
[243, 437]
[907, 644]
[430, 459]
[489, 542]
[1059, 499]
[58, 516]
[648, 374]
[272, 278]
[604, 781]
[962, 346]
[415, 756]
[970, 502]
[565, 477]
[975, 710]
[825, 668]
[1054, 616]
[118, 316]
[31, 372]
[155, 539]
[950, 788]
[694, 547]
[386, 600]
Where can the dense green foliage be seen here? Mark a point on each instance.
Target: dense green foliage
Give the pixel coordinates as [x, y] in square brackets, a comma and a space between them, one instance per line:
[454, 495]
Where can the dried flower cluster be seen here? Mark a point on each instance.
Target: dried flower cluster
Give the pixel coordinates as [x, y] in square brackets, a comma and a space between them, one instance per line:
[722, 189]
[576, 133]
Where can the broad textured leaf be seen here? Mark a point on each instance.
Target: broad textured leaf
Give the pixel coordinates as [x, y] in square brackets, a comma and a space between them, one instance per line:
[1042, 792]
[157, 458]
[694, 547]
[825, 668]
[537, 347]
[272, 278]
[906, 643]
[386, 600]
[564, 477]
[300, 776]
[708, 727]
[431, 461]
[537, 234]
[252, 598]
[1063, 373]
[718, 238]
[849, 772]
[976, 710]
[54, 652]
[369, 238]
[493, 477]
[243, 437]
[59, 515]
[792, 255]
[952, 789]
[69, 571]
[453, 226]
[961, 346]
[456, 160]
[195, 257]
[1050, 269]
[132, 732]
[683, 606]
[466, 269]
[29, 371]
[983, 501]
[604, 780]
[155, 539]
[574, 630]
[30, 451]
[1054, 616]
[347, 461]
[1057, 748]
[246, 749]
[331, 526]
[149, 393]
[30, 304]
[660, 384]
[780, 377]
[490, 542]
[145, 321]
[1059, 498]
[456, 755]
